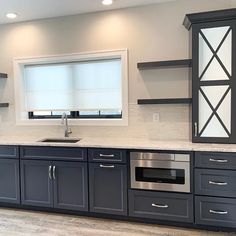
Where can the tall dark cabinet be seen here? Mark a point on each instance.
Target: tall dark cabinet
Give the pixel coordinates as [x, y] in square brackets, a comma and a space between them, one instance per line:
[214, 75]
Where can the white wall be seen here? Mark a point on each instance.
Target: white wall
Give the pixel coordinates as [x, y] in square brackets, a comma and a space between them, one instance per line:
[152, 32]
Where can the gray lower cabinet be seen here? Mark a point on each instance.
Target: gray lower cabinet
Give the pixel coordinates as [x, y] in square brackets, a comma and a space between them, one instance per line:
[215, 189]
[9, 181]
[161, 205]
[70, 185]
[107, 155]
[215, 211]
[215, 182]
[54, 184]
[36, 183]
[108, 188]
[215, 160]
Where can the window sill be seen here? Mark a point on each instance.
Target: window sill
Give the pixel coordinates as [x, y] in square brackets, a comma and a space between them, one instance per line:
[73, 122]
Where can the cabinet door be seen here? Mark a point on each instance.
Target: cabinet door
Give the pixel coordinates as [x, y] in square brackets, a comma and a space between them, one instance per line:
[9, 181]
[36, 183]
[214, 82]
[70, 185]
[108, 188]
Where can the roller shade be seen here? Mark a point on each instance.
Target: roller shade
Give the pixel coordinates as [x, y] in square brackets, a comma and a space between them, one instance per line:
[89, 85]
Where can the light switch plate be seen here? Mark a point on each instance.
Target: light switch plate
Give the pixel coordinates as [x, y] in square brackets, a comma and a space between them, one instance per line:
[156, 117]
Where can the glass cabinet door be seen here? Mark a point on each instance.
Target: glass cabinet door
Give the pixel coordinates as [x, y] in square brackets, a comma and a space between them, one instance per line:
[213, 83]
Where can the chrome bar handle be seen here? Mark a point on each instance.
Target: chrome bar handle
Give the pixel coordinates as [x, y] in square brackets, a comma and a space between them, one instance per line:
[159, 206]
[50, 172]
[107, 166]
[195, 129]
[218, 160]
[218, 212]
[217, 183]
[54, 172]
[106, 155]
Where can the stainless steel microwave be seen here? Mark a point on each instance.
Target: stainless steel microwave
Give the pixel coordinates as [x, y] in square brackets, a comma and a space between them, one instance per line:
[160, 171]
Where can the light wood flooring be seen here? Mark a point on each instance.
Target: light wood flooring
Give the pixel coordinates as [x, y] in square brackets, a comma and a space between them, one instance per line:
[30, 223]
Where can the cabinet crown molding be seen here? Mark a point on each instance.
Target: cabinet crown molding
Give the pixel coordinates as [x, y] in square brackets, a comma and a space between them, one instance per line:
[210, 16]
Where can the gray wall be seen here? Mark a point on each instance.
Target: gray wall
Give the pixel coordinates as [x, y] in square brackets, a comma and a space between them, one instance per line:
[152, 32]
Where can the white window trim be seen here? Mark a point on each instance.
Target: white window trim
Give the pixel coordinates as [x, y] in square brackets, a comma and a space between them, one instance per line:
[22, 115]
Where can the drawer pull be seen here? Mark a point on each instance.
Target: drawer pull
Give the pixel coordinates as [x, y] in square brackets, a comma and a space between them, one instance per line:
[106, 166]
[106, 155]
[218, 160]
[217, 183]
[159, 206]
[219, 212]
[50, 172]
[54, 172]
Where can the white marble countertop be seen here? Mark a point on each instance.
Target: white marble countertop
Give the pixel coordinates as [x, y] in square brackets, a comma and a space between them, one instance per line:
[125, 143]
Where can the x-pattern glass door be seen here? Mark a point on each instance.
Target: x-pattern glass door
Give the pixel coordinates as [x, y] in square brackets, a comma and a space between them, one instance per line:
[213, 82]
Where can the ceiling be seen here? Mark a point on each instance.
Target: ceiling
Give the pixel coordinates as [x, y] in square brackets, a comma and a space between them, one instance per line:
[32, 9]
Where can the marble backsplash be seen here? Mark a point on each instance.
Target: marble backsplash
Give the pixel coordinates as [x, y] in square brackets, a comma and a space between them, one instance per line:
[173, 124]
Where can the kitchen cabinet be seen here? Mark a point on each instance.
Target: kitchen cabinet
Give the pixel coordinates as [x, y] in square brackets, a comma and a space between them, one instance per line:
[9, 181]
[161, 205]
[108, 183]
[48, 183]
[53, 153]
[107, 155]
[69, 179]
[215, 160]
[215, 182]
[108, 188]
[215, 211]
[213, 75]
[215, 192]
[36, 183]
[70, 185]
[9, 175]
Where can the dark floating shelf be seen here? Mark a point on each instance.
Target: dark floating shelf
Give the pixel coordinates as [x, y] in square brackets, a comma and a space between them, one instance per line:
[165, 101]
[4, 104]
[2, 75]
[165, 64]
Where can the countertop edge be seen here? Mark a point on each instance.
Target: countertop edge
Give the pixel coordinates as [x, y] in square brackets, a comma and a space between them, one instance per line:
[129, 144]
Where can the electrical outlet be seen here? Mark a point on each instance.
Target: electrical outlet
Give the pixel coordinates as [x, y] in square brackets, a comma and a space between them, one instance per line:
[156, 117]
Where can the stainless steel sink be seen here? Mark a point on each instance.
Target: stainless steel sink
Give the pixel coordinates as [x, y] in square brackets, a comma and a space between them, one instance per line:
[58, 140]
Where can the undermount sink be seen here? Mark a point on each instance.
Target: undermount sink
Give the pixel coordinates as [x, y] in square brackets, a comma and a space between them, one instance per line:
[58, 140]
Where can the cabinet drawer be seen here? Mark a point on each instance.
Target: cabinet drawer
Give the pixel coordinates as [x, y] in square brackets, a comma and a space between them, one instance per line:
[217, 160]
[215, 211]
[161, 206]
[9, 152]
[53, 153]
[215, 182]
[107, 155]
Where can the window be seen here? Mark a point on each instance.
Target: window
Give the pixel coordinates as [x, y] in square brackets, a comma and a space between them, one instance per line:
[91, 88]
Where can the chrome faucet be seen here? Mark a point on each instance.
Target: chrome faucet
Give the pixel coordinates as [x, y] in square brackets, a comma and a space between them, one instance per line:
[64, 121]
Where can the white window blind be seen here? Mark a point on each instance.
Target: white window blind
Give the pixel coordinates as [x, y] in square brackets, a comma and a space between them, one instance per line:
[78, 86]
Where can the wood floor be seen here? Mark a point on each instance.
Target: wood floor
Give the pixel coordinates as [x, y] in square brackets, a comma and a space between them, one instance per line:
[29, 223]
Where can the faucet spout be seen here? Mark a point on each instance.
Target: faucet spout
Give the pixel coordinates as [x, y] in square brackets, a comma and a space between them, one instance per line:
[64, 121]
